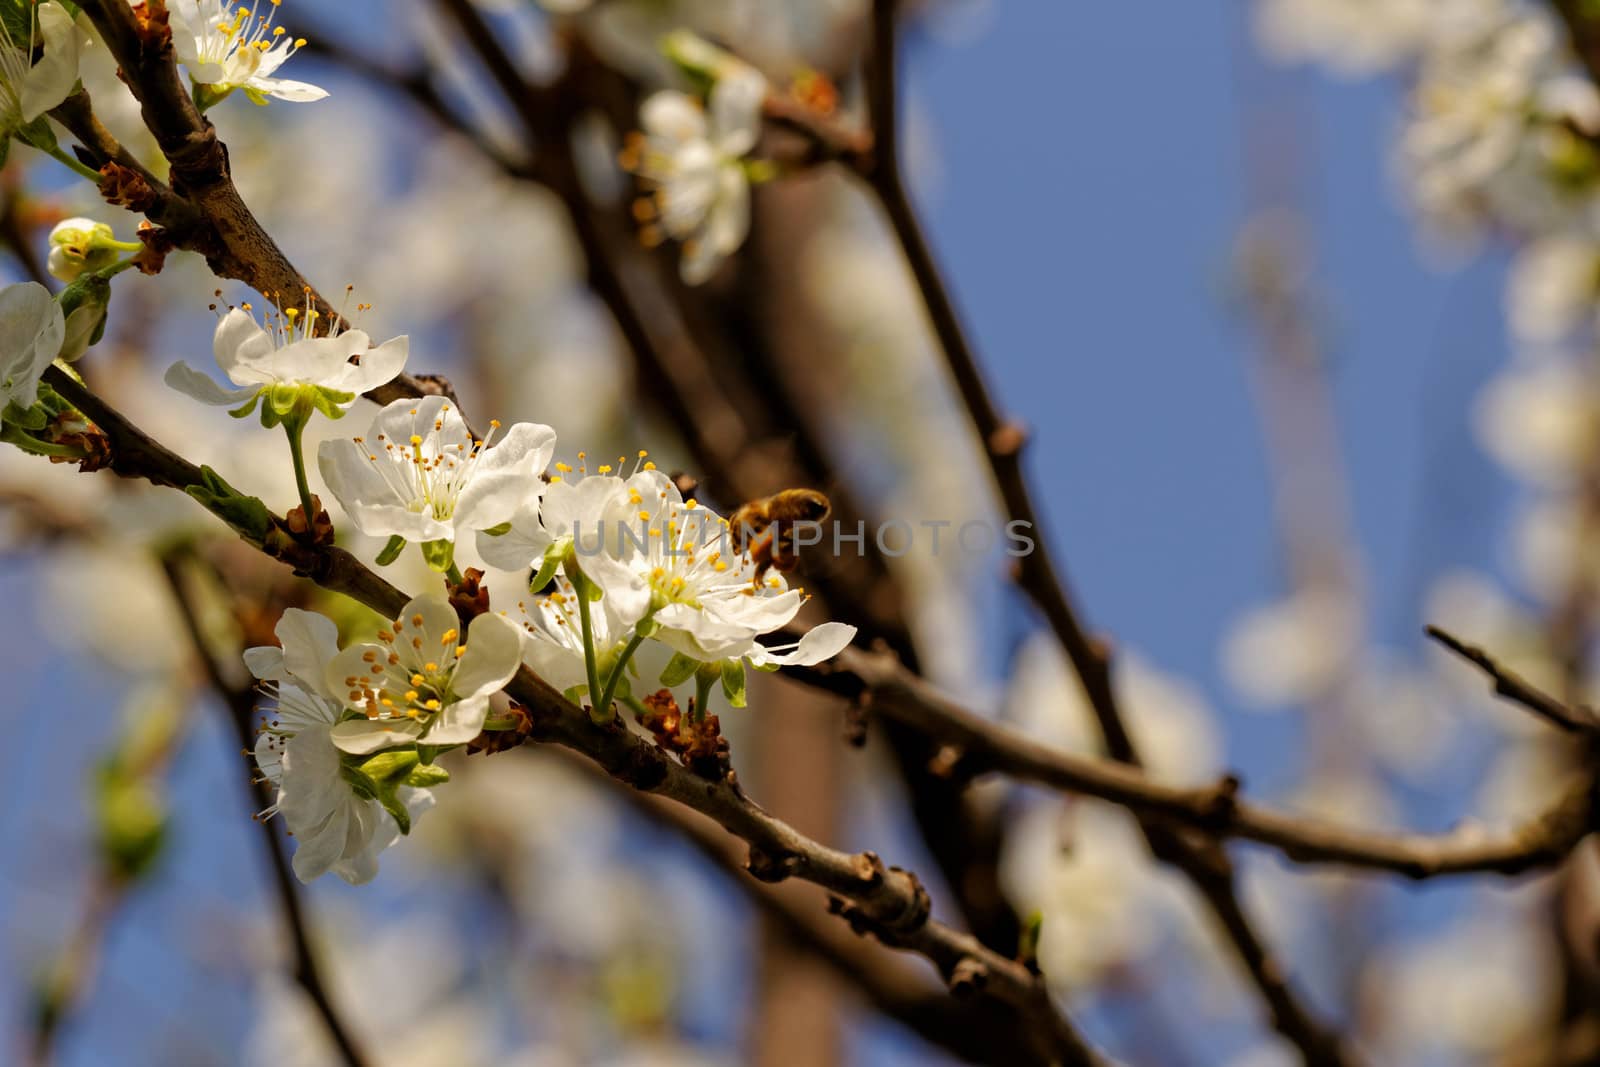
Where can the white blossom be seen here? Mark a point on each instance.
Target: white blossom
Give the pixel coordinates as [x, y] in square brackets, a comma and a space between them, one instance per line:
[422, 680]
[231, 47]
[334, 827]
[693, 157]
[1554, 287]
[704, 597]
[419, 474]
[286, 352]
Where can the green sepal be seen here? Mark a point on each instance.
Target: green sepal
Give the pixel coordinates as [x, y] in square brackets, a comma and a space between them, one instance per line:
[391, 551]
[331, 402]
[427, 774]
[388, 771]
[29, 418]
[439, 554]
[426, 754]
[5, 149]
[679, 669]
[733, 685]
[499, 530]
[248, 408]
[768, 667]
[554, 556]
[284, 398]
[39, 134]
[246, 514]
[647, 626]
[256, 96]
[207, 97]
[363, 786]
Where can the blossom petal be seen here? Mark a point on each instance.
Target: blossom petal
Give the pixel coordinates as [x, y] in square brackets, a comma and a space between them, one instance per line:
[735, 104]
[359, 862]
[202, 387]
[375, 366]
[518, 548]
[362, 737]
[285, 89]
[494, 652]
[820, 643]
[31, 333]
[504, 476]
[673, 115]
[240, 343]
[627, 593]
[52, 78]
[309, 641]
[320, 845]
[459, 722]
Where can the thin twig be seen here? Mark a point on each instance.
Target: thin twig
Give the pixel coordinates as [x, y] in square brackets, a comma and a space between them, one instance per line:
[984, 746]
[1517, 689]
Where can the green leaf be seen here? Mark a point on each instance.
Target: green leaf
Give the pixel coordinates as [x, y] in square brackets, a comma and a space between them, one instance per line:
[391, 551]
[246, 514]
[679, 669]
[733, 682]
[439, 554]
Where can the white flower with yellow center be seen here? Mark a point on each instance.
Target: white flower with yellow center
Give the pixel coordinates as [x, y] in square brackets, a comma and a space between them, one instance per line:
[421, 681]
[286, 352]
[29, 88]
[226, 48]
[420, 475]
[336, 827]
[703, 598]
[694, 160]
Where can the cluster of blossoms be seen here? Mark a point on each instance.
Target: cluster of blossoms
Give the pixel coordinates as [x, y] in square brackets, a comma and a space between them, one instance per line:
[612, 561]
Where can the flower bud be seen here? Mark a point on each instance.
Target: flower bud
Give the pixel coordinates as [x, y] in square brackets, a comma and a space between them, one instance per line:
[78, 245]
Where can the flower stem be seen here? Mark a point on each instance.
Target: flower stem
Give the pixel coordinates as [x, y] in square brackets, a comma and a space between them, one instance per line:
[453, 573]
[703, 681]
[600, 715]
[71, 162]
[503, 722]
[296, 428]
[616, 673]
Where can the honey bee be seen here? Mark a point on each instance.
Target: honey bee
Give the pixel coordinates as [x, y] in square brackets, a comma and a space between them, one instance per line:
[767, 527]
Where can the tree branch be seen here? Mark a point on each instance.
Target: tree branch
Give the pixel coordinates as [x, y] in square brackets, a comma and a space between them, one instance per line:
[888, 688]
[1517, 689]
